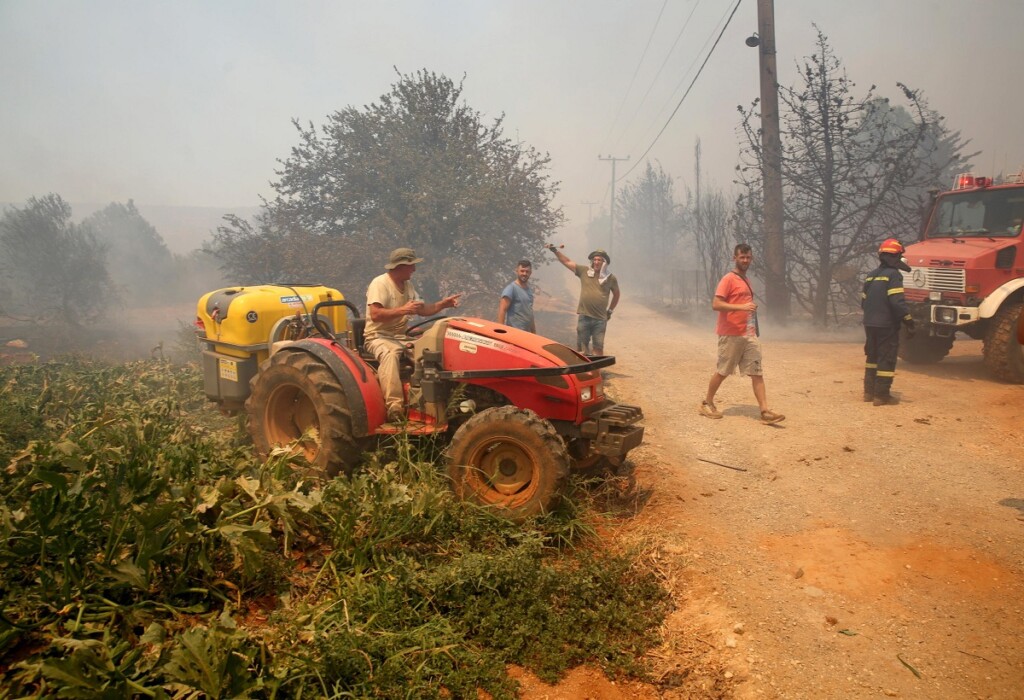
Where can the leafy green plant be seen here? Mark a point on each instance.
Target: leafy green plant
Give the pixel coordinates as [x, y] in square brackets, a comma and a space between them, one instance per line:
[143, 552]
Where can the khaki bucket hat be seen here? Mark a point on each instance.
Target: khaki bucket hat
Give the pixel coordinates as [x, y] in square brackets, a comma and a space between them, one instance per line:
[402, 256]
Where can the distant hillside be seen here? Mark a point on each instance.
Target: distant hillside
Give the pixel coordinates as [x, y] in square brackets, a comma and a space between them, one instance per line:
[183, 228]
[186, 228]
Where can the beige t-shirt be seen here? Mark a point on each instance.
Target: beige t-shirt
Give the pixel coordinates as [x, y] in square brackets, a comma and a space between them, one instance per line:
[593, 294]
[382, 290]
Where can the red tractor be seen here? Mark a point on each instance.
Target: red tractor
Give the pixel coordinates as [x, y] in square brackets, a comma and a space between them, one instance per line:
[520, 410]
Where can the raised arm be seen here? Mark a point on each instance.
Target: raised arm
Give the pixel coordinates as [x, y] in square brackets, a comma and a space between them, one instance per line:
[562, 257]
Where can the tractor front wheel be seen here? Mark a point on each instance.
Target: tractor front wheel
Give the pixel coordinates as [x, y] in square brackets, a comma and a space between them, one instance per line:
[510, 459]
[297, 400]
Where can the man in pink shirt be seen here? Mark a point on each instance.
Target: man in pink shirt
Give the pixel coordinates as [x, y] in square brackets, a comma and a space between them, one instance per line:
[738, 343]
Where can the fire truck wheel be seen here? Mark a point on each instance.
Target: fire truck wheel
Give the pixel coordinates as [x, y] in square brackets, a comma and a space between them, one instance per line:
[297, 400]
[923, 349]
[1003, 352]
[510, 459]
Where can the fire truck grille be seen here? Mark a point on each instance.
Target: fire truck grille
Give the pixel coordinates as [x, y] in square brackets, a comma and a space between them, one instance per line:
[934, 279]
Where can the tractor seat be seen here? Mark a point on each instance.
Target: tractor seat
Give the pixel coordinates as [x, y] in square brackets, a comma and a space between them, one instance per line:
[357, 327]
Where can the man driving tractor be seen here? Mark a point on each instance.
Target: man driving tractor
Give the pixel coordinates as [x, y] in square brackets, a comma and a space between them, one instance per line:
[391, 299]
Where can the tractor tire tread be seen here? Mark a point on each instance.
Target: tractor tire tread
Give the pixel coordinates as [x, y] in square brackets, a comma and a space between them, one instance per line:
[555, 457]
[339, 451]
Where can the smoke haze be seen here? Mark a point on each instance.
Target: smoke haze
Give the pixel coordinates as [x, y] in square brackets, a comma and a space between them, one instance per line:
[189, 103]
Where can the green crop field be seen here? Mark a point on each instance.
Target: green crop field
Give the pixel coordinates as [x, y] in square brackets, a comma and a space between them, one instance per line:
[146, 553]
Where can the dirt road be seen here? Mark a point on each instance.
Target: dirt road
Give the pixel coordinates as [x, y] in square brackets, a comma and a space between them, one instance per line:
[862, 552]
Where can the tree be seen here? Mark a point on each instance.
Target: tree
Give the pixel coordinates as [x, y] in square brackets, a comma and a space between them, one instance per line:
[418, 168]
[137, 258]
[650, 225]
[855, 170]
[51, 270]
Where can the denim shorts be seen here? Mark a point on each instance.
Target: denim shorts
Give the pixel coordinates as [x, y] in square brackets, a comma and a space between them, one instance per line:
[590, 330]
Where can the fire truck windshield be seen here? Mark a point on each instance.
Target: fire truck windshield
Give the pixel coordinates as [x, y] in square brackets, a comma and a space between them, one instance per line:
[981, 213]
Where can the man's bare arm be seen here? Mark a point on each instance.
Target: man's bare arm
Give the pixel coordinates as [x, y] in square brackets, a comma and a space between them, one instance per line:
[562, 257]
[449, 302]
[720, 304]
[380, 314]
[503, 309]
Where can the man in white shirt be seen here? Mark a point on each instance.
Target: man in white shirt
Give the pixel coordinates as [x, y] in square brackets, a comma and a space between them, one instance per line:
[390, 300]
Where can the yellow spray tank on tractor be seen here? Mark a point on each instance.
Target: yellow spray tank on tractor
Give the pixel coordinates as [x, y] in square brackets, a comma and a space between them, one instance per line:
[238, 326]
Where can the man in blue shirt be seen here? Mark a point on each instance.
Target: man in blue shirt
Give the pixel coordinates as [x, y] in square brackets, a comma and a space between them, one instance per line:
[516, 306]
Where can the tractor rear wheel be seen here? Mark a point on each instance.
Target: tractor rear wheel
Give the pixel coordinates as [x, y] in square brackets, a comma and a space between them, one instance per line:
[296, 399]
[510, 459]
[1004, 355]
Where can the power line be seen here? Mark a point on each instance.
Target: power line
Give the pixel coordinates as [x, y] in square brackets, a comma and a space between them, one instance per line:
[632, 80]
[683, 99]
[654, 80]
[611, 224]
[653, 125]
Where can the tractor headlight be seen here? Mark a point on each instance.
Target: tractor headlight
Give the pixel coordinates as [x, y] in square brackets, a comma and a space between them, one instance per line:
[586, 393]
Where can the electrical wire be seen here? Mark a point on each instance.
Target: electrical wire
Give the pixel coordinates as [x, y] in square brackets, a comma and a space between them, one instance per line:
[685, 94]
[618, 112]
[670, 100]
[658, 74]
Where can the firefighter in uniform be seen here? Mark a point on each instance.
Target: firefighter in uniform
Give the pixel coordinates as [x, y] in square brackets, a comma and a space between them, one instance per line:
[884, 309]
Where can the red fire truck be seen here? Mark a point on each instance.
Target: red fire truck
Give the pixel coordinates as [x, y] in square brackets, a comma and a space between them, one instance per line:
[967, 275]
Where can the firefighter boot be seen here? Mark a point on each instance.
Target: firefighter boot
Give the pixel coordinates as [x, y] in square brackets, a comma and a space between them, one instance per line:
[885, 400]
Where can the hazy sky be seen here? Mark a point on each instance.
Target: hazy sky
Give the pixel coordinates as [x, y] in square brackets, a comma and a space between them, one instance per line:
[190, 103]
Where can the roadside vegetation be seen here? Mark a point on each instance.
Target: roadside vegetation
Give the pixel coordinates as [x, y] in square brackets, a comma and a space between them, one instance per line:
[146, 553]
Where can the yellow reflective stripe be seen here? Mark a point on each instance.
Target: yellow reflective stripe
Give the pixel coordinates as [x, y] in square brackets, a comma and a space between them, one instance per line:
[883, 373]
[870, 365]
[908, 317]
[877, 279]
[896, 290]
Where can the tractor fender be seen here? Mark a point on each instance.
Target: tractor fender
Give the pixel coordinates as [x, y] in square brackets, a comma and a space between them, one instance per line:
[357, 379]
[993, 301]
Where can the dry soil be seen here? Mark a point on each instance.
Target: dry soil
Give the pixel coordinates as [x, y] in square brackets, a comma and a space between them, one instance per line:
[851, 551]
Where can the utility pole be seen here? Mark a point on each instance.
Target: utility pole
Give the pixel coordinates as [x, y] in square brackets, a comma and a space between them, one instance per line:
[776, 294]
[590, 211]
[611, 229]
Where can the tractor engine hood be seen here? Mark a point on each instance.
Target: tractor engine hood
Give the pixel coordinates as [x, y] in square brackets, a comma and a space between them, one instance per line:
[529, 370]
[473, 344]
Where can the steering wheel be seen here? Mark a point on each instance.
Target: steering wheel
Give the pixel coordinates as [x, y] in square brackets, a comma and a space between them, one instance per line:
[411, 330]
